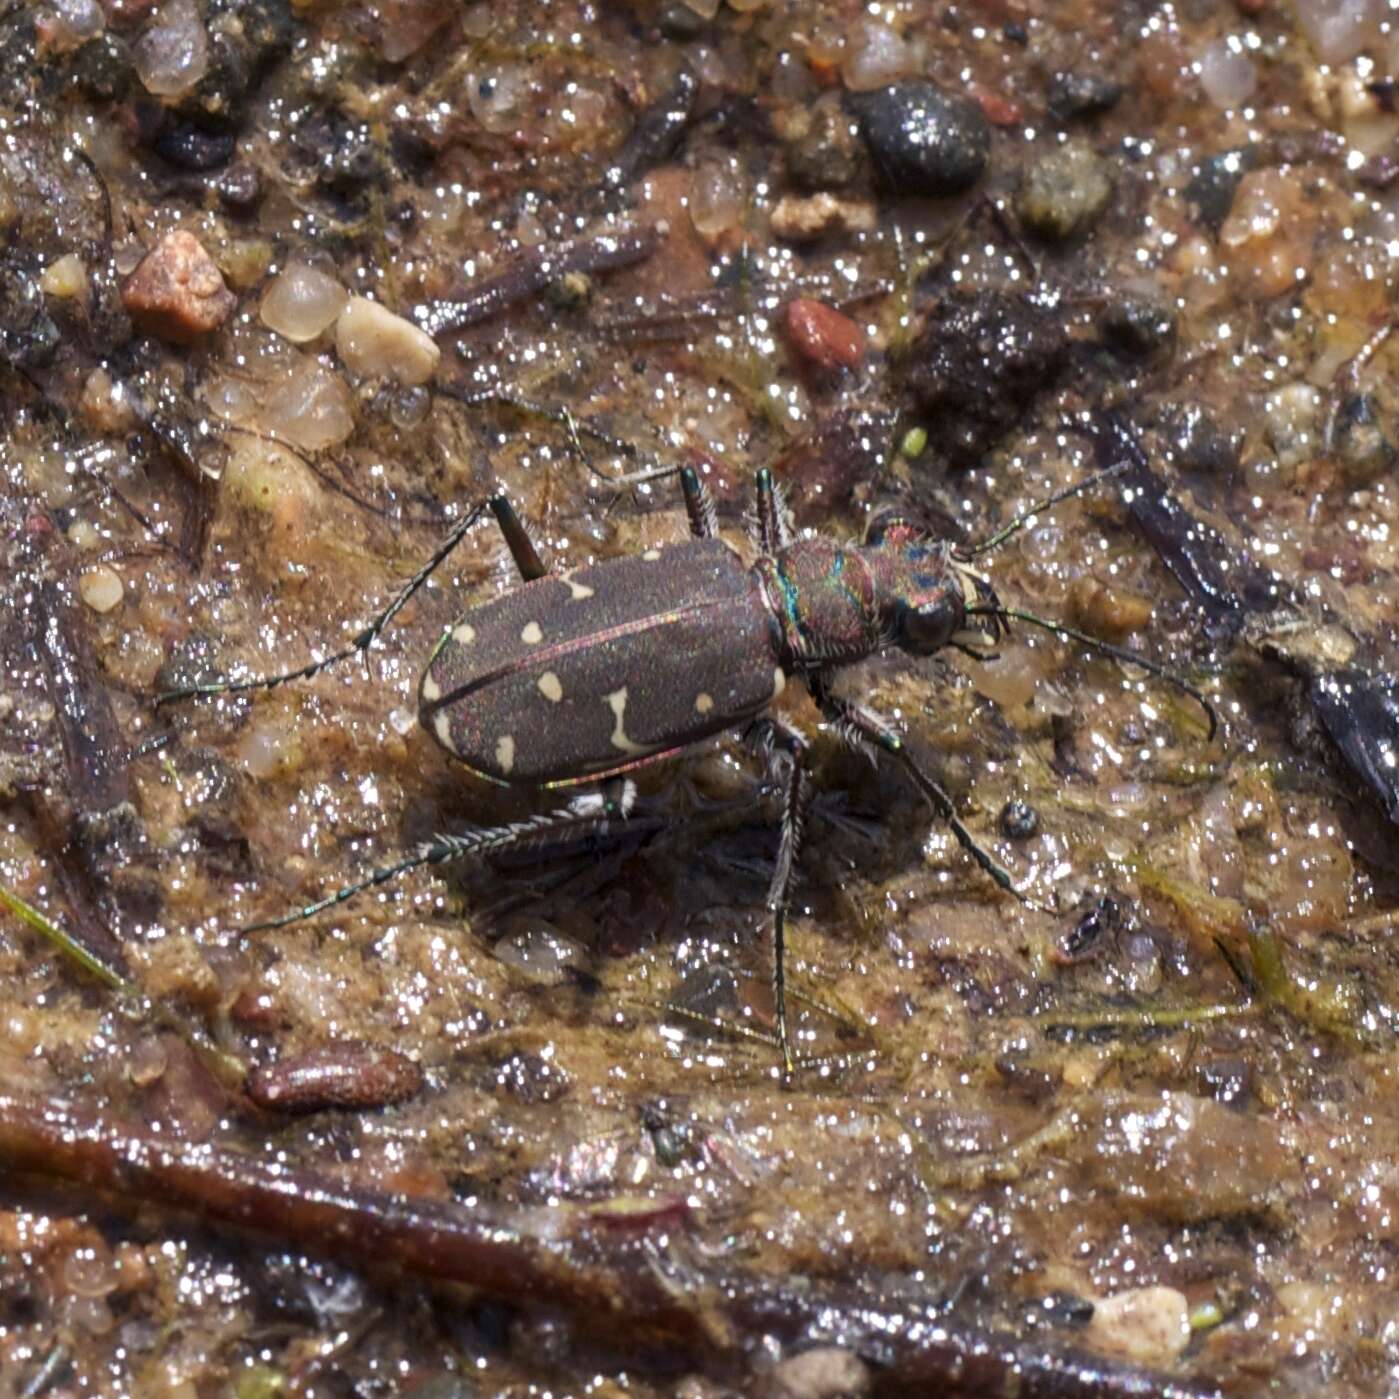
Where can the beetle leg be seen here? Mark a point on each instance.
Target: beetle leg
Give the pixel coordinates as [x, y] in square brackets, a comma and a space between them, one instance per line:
[588, 814]
[517, 540]
[369, 635]
[785, 748]
[774, 531]
[862, 727]
[699, 505]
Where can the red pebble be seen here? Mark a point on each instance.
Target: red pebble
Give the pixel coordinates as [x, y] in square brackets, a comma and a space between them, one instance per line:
[998, 110]
[823, 336]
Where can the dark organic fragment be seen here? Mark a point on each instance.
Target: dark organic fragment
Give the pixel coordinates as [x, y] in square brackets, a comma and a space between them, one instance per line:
[1196, 555]
[532, 273]
[349, 1075]
[924, 141]
[1197, 440]
[978, 365]
[1360, 713]
[656, 134]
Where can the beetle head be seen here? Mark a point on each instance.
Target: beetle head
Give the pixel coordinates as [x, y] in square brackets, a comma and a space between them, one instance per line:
[926, 589]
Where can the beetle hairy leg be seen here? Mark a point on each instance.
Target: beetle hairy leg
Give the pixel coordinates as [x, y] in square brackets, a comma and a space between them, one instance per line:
[582, 816]
[517, 540]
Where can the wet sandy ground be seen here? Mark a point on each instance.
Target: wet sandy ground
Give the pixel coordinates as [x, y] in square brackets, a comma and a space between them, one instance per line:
[1142, 1139]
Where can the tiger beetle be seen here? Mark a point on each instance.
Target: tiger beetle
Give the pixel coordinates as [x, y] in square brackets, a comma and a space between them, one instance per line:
[584, 676]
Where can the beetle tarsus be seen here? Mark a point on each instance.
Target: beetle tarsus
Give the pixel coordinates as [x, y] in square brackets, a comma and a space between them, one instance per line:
[785, 748]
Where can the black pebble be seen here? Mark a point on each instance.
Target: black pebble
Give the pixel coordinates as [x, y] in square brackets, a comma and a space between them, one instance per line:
[923, 141]
[1019, 820]
[1074, 95]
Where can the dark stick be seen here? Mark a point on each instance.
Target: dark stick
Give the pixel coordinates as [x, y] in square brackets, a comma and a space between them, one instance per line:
[633, 1277]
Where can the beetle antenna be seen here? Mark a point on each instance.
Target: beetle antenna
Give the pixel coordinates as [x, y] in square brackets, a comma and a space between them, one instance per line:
[366, 638]
[1120, 653]
[1023, 519]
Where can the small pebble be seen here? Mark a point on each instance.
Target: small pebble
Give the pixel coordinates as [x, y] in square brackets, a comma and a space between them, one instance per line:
[1292, 420]
[240, 187]
[1361, 447]
[676, 20]
[1228, 75]
[1226, 1080]
[800, 220]
[1339, 29]
[1147, 1326]
[68, 24]
[824, 1372]
[827, 154]
[1019, 820]
[101, 588]
[1105, 610]
[1211, 190]
[1064, 192]
[999, 109]
[875, 56]
[374, 343]
[176, 291]
[301, 302]
[542, 953]
[821, 335]
[172, 54]
[65, 278]
[718, 194]
[311, 406]
[1076, 95]
[923, 141]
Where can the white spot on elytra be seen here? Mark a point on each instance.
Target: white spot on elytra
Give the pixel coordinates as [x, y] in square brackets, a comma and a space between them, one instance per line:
[442, 726]
[505, 753]
[779, 682]
[651, 555]
[463, 632]
[579, 590]
[703, 703]
[431, 690]
[532, 634]
[617, 703]
[550, 687]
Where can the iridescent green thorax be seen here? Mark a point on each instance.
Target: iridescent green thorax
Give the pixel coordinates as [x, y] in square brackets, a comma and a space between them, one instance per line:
[824, 599]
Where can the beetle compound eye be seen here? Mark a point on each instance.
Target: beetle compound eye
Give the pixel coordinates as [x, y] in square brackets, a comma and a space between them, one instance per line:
[926, 629]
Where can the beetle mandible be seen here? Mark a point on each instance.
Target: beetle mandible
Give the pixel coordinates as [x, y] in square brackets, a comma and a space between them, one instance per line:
[584, 676]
